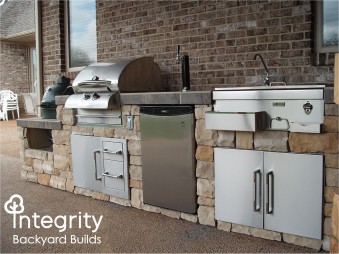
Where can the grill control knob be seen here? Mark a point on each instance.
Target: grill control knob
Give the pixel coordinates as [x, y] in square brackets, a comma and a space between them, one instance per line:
[95, 96]
[86, 96]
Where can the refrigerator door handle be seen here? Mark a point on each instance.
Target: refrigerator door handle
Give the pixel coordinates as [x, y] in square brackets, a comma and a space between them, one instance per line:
[269, 192]
[95, 164]
[257, 190]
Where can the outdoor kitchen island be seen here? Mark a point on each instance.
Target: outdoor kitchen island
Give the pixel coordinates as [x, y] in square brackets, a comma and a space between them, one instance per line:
[53, 167]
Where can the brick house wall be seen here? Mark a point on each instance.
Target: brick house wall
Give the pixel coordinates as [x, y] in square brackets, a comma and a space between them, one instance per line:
[221, 38]
[14, 71]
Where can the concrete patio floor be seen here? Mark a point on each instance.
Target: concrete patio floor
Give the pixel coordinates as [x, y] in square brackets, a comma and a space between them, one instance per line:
[123, 229]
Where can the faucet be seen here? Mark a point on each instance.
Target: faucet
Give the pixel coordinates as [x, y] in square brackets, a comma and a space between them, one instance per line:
[266, 80]
[185, 69]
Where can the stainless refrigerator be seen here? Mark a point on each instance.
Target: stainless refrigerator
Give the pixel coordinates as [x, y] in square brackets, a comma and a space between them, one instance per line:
[168, 157]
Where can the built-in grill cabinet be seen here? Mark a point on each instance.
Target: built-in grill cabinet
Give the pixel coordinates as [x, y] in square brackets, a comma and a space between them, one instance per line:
[98, 86]
[100, 164]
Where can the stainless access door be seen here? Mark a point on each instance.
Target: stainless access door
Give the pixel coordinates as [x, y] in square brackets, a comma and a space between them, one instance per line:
[168, 157]
[238, 186]
[86, 161]
[293, 196]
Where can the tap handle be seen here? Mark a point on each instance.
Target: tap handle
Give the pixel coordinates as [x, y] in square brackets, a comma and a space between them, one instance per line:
[178, 50]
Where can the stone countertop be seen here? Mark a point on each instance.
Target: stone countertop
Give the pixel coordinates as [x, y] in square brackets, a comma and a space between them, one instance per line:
[189, 97]
[39, 123]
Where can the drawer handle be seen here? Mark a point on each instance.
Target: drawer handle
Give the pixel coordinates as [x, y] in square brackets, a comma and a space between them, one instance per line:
[111, 152]
[114, 176]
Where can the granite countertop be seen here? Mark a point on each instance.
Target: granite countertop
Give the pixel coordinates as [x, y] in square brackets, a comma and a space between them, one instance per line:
[39, 123]
[173, 98]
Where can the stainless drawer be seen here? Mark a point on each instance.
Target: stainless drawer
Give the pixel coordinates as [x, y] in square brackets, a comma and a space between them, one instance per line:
[112, 151]
[113, 175]
[249, 121]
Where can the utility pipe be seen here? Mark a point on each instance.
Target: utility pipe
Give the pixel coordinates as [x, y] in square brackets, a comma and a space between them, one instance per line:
[38, 45]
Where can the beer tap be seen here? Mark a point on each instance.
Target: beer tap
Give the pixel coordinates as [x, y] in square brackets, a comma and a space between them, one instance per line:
[185, 69]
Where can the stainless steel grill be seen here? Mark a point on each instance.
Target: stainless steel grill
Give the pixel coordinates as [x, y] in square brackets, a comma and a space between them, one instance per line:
[98, 86]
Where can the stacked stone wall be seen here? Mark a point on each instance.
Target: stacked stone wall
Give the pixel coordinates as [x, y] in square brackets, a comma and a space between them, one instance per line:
[54, 168]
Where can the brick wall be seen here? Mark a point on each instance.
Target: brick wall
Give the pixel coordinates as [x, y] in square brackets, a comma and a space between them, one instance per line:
[221, 38]
[14, 71]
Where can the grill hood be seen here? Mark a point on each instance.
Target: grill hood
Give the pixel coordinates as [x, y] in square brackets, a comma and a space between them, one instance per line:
[124, 76]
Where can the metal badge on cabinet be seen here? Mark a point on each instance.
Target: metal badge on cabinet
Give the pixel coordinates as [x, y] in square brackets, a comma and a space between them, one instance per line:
[308, 107]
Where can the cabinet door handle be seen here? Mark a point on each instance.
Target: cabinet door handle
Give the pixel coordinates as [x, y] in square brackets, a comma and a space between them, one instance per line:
[95, 165]
[269, 192]
[256, 193]
[111, 152]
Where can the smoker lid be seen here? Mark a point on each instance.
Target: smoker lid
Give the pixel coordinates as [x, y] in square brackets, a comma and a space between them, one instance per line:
[124, 75]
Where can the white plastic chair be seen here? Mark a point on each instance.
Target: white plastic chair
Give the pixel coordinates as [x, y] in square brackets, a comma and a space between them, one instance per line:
[9, 102]
[2, 113]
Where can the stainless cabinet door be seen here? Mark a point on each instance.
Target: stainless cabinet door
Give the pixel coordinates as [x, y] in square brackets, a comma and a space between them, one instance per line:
[295, 190]
[238, 186]
[86, 160]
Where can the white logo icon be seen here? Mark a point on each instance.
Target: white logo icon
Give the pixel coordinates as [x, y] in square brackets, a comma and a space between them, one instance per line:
[2, 2]
[12, 205]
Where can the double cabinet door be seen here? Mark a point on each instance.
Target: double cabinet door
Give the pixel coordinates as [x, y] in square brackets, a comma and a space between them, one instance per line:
[100, 164]
[271, 190]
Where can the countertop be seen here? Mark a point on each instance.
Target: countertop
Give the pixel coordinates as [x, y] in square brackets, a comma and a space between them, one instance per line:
[189, 97]
[39, 123]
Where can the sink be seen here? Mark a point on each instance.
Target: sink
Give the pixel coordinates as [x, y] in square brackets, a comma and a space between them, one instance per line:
[294, 108]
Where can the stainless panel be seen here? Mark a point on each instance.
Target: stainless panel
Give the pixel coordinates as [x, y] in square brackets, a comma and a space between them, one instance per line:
[250, 121]
[293, 110]
[112, 151]
[168, 159]
[113, 175]
[98, 117]
[305, 127]
[273, 87]
[105, 101]
[260, 94]
[86, 160]
[237, 187]
[297, 193]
